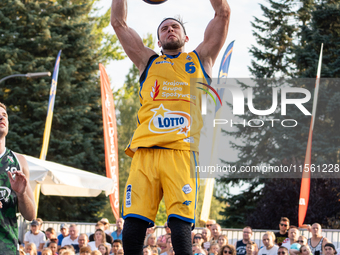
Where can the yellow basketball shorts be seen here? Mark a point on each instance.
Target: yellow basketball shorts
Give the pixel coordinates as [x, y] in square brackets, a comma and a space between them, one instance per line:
[156, 173]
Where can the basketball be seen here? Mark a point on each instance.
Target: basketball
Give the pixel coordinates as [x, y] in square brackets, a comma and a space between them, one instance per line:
[154, 1]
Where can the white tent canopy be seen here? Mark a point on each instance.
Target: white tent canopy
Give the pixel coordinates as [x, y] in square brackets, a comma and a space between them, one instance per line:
[61, 180]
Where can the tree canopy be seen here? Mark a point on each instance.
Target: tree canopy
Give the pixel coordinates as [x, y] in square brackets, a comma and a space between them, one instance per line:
[32, 33]
[289, 41]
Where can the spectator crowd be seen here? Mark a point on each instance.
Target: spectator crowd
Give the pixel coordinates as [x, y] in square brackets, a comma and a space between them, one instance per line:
[208, 241]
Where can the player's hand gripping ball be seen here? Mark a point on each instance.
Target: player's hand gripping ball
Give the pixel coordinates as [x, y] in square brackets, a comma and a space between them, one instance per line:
[154, 1]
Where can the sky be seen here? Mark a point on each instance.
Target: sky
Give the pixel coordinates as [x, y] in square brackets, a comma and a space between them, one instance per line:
[144, 18]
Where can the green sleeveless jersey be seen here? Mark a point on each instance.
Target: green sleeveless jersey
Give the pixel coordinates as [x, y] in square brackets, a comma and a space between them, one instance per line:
[8, 220]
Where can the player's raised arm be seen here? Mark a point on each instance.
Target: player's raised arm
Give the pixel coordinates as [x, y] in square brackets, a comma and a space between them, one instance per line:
[129, 39]
[214, 35]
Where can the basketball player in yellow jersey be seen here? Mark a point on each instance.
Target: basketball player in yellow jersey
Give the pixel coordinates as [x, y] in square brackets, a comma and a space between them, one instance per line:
[164, 146]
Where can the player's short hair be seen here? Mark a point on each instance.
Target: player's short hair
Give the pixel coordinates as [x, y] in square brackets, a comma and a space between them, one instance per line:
[3, 106]
[175, 19]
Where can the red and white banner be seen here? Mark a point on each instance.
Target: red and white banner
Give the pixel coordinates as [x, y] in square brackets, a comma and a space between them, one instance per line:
[110, 138]
[305, 180]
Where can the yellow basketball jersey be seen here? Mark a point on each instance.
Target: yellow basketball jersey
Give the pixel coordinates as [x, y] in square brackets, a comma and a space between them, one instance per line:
[170, 112]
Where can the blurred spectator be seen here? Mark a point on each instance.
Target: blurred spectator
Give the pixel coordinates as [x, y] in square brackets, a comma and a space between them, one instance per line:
[222, 240]
[241, 244]
[64, 233]
[293, 235]
[198, 239]
[118, 234]
[168, 246]
[294, 249]
[85, 250]
[99, 238]
[104, 250]
[82, 241]
[215, 232]
[51, 235]
[106, 224]
[302, 240]
[147, 250]
[108, 238]
[305, 250]
[250, 248]
[67, 252]
[282, 251]
[269, 248]
[30, 249]
[317, 241]
[200, 251]
[171, 251]
[206, 234]
[117, 245]
[35, 236]
[161, 241]
[195, 247]
[227, 249]
[150, 230]
[283, 233]
[154, 250]
[69, 247]
[53, 245]
[72, 238]
[329, 249]
[61, 249]
[41, 222]
[214, 248]
[96, 252]
[46, 251]
[210, 223]
[150, 240]
[120, 251]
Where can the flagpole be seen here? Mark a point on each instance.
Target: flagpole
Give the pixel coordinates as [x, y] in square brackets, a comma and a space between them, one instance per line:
[48, 124]
[305, 180]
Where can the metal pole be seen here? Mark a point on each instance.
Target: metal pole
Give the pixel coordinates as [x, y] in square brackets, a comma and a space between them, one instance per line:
[28, 75]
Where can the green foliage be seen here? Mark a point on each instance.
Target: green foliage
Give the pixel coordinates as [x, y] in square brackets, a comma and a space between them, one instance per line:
[262, 205]
[216, 206]
[161, 216]
[275, 36]
[31, 34]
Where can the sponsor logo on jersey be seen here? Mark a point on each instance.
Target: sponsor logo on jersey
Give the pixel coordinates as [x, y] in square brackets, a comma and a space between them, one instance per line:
[167, 121]
[172, 91]
[188, 58]
[186, 189]
[164, 62]
[128, 196]
[5, 193]
[187, 202]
